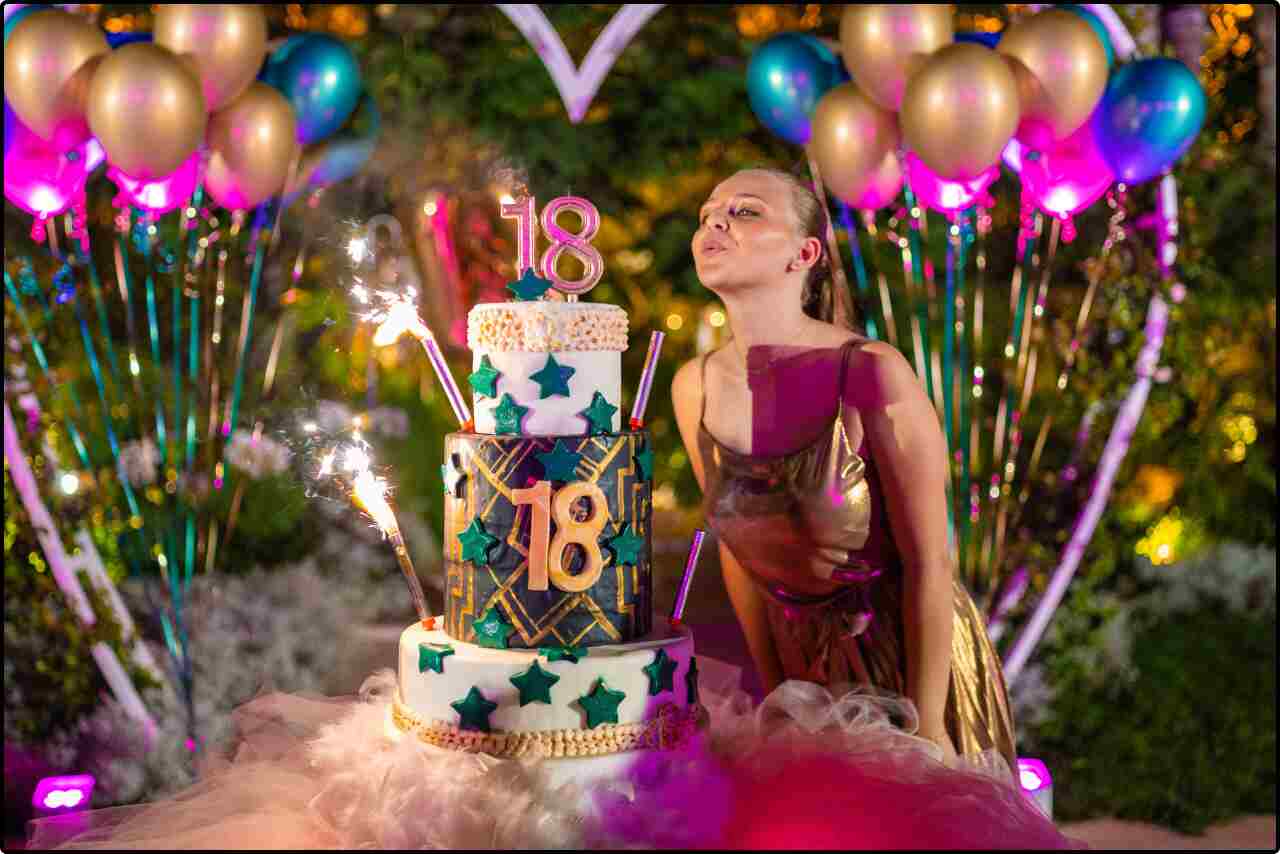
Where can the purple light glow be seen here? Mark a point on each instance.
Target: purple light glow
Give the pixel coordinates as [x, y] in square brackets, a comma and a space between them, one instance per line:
[64, 793]
[1033, 775]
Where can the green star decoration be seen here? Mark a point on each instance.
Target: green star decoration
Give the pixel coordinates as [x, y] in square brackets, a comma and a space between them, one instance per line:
[491, 630]
[570, 654]
[600, 414]
[661, 673]
[691, 680]
[431, 656]
[644, 462]
[553, 378]
[626, 546]
[601, 705]
[508, 415]
[535, 685]
[529, 286]
[560, 463]
[476, 542]
[485, 379]
[474, 710]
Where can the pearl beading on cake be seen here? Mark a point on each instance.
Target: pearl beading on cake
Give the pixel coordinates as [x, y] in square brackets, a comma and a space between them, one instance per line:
[537, 327]
[669, 730]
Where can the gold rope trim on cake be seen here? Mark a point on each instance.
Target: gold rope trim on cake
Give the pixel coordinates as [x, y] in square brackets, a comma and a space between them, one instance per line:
[669, 730]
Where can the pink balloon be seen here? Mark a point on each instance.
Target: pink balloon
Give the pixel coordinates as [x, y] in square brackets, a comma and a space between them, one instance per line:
[41, 180]
[161, 195]
[1068, 176]
[1012, 156]
[949, 197]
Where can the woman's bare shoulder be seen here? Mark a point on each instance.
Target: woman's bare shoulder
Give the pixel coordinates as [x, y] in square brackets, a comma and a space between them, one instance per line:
[686, 385]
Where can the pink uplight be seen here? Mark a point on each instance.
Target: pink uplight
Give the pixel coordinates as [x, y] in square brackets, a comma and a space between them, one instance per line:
[64, 793]
[1067, 177]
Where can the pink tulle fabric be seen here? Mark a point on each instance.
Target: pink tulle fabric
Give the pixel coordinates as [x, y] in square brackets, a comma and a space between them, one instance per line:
[807, 768]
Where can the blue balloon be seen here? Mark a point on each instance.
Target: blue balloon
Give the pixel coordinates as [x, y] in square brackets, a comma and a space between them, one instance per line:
[320, 78]
[115, 40]
[1148, 117]
[1098, 27]
[989, 40]
[787, 76]
[10, 125]
[17, 15]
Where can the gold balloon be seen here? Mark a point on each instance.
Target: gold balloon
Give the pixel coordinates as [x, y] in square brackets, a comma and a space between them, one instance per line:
[960, 110]
[883, 45]
[880, 187]
[47, 69]
[227, 42]
[252, 141]
[146, 108]
[1061, 68]
[851, 134]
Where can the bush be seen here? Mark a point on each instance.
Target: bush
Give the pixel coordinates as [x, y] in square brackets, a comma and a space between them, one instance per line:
[1174, 722]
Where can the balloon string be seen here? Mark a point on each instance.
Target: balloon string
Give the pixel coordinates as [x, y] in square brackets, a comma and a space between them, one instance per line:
[915, 269]
[859, 271]
[886, 303]
[74, 402]
[1115, 234]
[840, 297]
[153, 328]
[95, 290]
[973, 459]
[246, 330]
[930, 320]
[124, 281]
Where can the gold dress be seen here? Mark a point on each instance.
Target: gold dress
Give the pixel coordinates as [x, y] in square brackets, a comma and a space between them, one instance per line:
[771, 513]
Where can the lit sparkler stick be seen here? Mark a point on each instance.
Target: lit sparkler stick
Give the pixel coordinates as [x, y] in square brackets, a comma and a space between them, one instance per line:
[399, 316]
[370, 493]
[686, 581]
[646, 380]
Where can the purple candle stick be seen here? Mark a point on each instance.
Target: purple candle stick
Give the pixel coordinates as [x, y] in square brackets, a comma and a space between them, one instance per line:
[646, 380]
[691, 564]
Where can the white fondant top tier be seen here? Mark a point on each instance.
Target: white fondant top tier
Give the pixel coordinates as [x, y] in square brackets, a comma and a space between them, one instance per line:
[546, 326]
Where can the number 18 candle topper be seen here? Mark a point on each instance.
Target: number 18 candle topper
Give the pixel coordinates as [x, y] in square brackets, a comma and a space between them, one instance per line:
[524, 212]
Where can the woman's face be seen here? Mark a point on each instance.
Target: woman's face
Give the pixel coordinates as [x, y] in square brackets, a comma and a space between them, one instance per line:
[747, 232]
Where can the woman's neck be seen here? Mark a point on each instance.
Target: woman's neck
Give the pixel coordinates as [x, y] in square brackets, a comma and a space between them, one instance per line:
[764, 321]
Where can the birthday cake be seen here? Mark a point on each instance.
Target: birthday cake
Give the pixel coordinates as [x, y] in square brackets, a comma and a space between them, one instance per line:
[548, 646]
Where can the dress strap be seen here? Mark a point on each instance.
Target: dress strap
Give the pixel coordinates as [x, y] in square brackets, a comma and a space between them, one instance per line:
[845, 349]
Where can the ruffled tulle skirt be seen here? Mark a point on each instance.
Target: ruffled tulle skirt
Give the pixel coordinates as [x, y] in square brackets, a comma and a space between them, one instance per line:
[807, 768]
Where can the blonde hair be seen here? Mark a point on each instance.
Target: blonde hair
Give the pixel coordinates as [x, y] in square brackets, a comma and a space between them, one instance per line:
[820, 298]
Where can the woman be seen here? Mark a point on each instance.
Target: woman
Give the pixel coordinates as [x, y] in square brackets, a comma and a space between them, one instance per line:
[823, 470]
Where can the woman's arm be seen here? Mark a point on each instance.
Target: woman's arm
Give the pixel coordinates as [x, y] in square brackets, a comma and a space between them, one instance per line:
[910, 454]
[744, 593]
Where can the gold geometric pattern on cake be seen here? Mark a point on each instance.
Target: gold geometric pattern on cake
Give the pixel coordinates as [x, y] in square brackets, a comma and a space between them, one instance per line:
[598, 456]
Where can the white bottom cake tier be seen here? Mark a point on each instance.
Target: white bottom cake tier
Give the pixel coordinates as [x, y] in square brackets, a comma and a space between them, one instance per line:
[615, 706]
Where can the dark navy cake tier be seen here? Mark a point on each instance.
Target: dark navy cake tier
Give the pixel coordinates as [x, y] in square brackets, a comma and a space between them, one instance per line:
[547, 539]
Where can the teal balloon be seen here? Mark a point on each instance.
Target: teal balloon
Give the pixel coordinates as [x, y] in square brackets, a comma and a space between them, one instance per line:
[1148, 117]
[786, 77]
[275, 60]
[320, 78]
[348, 150]
[1098, 27]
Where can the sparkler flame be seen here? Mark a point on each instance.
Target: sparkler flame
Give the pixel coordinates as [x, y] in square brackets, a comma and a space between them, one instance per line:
[401, 317]
[371, 494]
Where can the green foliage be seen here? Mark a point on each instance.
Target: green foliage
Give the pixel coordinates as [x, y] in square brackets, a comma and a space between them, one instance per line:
[1187, 741]
[51, 679]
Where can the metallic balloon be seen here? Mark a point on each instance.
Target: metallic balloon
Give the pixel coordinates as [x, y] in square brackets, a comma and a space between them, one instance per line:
[1068, 177]
[48, 64]
[880, 187]
[884, 44]
[338, 158]
[1099, 28]
[321, 80]
[40, 179]
[251, 143]
[1149, 116]
[988, 40]
[785, 78]
[228, 41]
[147, 110]
[949, 197]
[163, 194]
[1061, 68]
[851, 134]
[960, 110]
